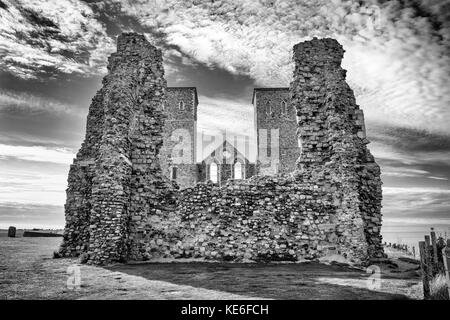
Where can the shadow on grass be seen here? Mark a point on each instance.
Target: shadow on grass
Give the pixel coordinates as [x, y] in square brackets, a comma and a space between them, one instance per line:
[271, 281]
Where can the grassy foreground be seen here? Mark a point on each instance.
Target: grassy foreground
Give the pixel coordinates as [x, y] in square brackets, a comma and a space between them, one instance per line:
[27, 271]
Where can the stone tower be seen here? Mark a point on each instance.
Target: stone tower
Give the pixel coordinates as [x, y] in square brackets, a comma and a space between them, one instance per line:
[115, 181]
[335, 157]
[179, 155]
[275, 129]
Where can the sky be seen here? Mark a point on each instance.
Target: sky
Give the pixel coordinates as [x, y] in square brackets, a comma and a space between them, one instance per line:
[53, 55]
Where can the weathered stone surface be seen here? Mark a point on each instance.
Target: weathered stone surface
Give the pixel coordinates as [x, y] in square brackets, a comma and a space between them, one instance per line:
[180, 129]
[259, 219]
[275, 126]
[116, 177]
[120, 206]
[334, 153]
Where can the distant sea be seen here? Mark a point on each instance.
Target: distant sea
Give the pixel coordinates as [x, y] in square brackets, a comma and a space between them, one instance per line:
[411, 234]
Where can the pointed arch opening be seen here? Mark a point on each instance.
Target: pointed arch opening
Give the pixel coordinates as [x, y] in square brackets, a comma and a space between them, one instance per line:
[238, 171]
[269, 110]
[284, 108]
[213, 173]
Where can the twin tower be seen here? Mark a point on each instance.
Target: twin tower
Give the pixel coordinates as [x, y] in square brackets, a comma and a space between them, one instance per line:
[275, 126]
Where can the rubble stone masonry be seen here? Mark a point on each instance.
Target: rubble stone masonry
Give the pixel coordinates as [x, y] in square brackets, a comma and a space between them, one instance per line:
[115, 180]
[334, 154]
[120, 206]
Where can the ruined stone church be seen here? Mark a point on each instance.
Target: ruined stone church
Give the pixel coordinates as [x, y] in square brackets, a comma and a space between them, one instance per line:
[129, 198]
[275, 128]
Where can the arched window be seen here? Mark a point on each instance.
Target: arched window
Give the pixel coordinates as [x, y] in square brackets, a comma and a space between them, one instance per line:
[238, 170]
[181, 105]
[213, 174]
[284, 109]
[269, 110]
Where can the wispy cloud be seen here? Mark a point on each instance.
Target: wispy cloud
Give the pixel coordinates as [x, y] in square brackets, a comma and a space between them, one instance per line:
[25, 102]
[53, 36]
[217, 116]
[37, 153]
[397, 53]
[416, 203]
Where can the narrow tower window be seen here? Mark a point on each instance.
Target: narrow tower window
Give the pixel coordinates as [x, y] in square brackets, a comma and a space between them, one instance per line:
[269, 110]
[284, 107]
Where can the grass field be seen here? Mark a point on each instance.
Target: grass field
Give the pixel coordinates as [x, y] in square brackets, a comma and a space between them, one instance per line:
[27, 271]
[4, 233]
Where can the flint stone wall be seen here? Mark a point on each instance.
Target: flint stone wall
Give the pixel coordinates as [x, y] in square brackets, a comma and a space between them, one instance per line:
[332, 133]
[180, 123]
[116, 179]
[121, 207]
[259, 219]
[272, 99]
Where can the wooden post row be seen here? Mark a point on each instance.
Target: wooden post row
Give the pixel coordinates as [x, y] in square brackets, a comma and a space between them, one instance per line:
[435, 253]
[446, 258]
[424, 267]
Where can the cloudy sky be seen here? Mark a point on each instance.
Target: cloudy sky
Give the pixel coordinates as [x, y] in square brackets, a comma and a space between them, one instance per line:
[53, 55]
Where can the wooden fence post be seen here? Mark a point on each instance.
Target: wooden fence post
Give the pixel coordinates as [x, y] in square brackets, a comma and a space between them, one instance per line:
[424, 267]
[446, 258]
[429, 257]
[435, 252]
